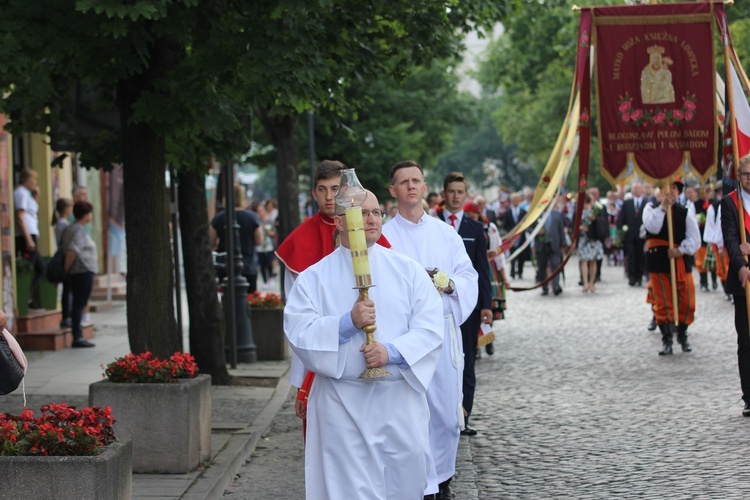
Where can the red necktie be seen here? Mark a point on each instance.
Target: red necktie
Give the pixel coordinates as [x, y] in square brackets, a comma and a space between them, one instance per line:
[453, 218]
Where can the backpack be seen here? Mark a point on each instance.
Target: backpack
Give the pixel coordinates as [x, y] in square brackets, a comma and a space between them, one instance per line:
[12, 364]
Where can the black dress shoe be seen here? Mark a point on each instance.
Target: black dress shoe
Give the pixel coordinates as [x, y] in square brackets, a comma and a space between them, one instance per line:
[666, 350]
[652, 325]
[746, 410]
[83, 343]
[545, 292]
[557, 291]
[490, 349]
[469, 431]
[685, 345]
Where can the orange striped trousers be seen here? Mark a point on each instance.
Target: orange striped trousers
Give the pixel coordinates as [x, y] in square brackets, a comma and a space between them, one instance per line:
[661, 293]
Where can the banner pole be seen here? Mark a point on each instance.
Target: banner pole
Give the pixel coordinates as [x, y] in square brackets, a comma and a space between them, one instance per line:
[672, 270]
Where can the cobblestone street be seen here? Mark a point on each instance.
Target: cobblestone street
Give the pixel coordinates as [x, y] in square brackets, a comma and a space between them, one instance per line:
[576, 403]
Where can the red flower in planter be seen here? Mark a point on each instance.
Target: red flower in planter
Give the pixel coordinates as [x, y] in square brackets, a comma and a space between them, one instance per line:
[145, 368]
[60, 430]
[269, 300]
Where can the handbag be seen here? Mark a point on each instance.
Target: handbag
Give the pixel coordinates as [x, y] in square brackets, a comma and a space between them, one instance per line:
[55, 271]
[56, 267]
[13, 364]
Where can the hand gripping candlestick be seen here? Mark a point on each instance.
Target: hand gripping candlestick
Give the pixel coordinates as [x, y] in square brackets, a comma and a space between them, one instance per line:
[351, 195]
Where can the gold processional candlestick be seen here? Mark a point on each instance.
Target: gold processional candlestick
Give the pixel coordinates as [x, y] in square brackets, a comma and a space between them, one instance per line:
[351, 194]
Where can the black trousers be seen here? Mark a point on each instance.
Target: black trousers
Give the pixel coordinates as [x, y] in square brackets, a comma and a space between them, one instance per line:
[516, 265]
[81, 284]
[67, 299]
[265, 263]
[469, 336]
[743, 344]
[634, 253]
[35, 258]
[544, 258]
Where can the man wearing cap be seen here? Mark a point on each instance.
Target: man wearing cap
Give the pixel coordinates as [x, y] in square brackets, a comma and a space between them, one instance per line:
[455, 194]
[686, 241]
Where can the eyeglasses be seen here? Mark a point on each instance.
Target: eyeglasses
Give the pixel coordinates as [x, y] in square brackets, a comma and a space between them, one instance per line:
[745, 175]
[376, 212]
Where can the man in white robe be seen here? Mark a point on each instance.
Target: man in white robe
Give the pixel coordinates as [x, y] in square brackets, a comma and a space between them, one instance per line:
[366, 438]
[436, 245]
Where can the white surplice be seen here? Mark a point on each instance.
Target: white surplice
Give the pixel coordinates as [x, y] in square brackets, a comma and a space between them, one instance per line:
[366, 438]
[435, 244]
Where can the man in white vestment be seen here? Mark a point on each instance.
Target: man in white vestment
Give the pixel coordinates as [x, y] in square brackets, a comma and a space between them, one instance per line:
[436, 245]
[366, 438]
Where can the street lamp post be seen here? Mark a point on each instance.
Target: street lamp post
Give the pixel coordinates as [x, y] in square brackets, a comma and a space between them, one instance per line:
[239, 333]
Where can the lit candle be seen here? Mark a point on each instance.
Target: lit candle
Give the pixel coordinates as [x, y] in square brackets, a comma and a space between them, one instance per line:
[357, 242]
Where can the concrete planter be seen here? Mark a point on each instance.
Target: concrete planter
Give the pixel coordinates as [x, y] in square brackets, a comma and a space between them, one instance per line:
[104, 477]
[268, 333]
[170, 424]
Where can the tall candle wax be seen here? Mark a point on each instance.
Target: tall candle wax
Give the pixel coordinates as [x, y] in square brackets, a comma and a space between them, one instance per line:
[357, 242]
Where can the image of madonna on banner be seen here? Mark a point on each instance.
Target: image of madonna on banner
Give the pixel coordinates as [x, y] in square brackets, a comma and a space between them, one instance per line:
[656, 90]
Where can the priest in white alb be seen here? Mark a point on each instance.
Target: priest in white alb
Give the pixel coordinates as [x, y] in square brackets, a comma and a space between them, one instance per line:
[436, 245]
[366, 438]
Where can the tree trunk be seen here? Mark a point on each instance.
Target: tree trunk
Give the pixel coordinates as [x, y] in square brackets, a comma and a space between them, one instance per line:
[284, 132]
[206, 318]
[151, 314]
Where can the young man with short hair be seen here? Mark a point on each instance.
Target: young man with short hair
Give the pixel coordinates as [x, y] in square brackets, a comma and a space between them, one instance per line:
[437, 246]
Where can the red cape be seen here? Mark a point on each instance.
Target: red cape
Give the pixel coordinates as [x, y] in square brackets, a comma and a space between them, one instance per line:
[309, 242]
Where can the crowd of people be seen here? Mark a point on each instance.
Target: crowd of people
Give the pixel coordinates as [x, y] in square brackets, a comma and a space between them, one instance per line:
[440, 271]
[258, 238]
[72, 235]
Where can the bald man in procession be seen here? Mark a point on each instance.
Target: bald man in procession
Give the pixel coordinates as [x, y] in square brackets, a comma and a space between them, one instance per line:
[366, 437]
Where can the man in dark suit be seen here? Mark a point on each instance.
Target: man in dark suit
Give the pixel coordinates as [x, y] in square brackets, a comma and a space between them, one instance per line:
[455, 193]
[631, 216]
[739, 271]
[511, 217]
[548, 245]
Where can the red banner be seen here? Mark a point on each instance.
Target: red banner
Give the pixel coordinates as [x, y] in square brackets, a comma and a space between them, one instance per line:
[656, 90]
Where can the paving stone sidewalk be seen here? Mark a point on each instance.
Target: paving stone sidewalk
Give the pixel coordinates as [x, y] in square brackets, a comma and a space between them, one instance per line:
[576, 403]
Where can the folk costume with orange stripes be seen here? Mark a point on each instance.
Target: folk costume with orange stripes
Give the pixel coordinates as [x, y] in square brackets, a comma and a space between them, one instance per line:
[687, 240]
